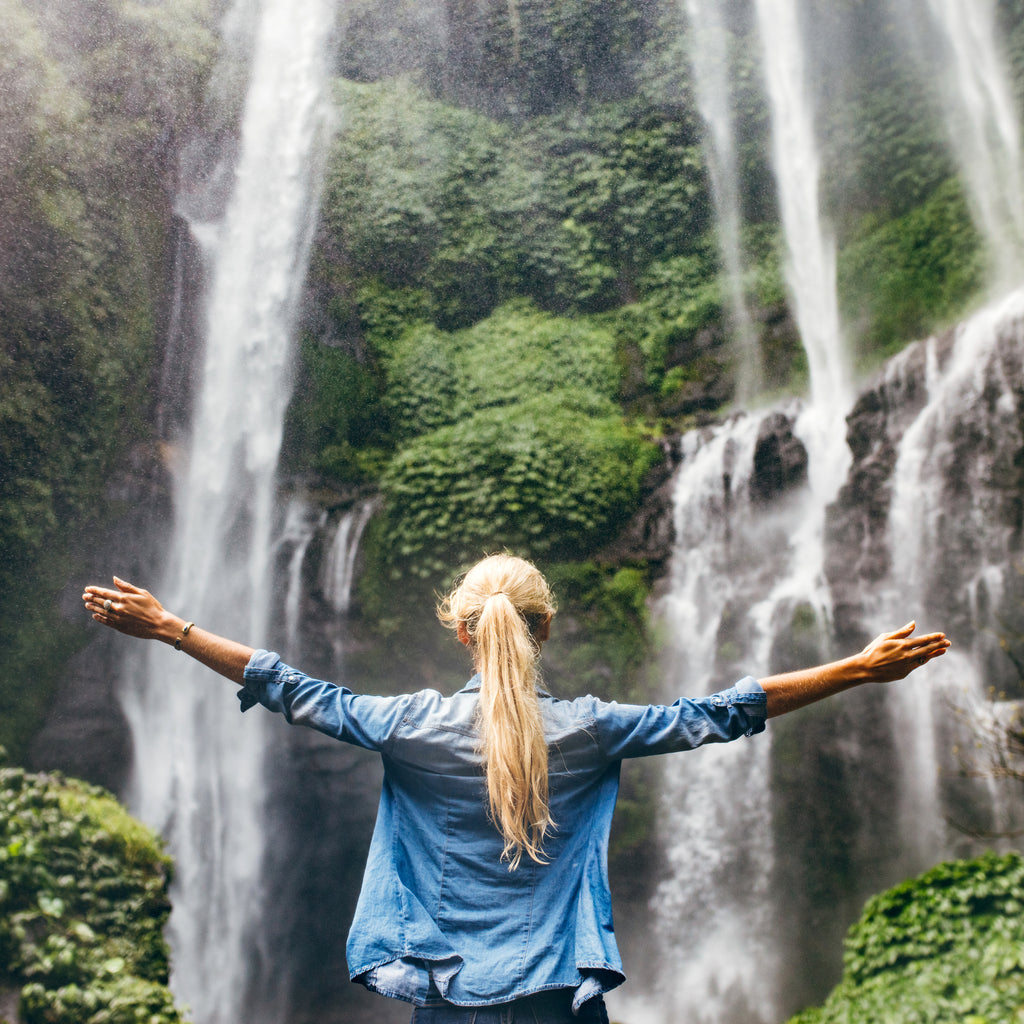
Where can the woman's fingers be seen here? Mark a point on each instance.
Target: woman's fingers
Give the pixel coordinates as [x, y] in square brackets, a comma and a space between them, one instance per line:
[895, 655]
[107, 605]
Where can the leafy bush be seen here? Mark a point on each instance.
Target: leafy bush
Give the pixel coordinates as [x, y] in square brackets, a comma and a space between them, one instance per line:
[509, 435]
[570, 210]
[552, 475]
[436, 379]
[424, 195]
[901, 278]
[945, 947]
[83, 902]
[334, 415]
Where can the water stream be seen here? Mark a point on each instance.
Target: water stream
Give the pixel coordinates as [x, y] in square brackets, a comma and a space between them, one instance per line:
[709, 56]
[746, 574]
[198, 770]
[983, 126]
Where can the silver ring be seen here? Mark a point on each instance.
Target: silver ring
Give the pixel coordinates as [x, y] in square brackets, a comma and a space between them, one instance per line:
[107, 605]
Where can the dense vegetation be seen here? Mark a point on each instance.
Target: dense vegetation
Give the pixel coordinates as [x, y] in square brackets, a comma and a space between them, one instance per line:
[945, 947]
[83, 901]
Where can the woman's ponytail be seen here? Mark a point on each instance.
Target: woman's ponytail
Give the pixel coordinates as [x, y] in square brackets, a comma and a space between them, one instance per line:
[503, 603]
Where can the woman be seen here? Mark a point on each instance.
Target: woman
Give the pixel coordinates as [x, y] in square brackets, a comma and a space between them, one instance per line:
[485, 897]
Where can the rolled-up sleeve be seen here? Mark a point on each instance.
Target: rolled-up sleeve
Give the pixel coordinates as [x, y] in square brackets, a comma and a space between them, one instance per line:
[632, 730]
[366, 721]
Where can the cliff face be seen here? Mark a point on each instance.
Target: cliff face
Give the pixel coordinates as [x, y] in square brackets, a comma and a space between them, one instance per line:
[938, 466]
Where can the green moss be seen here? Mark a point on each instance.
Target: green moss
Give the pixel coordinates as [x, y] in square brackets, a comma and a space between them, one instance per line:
[83, 902]
[947, 946]
[900, 279]
[548, 476]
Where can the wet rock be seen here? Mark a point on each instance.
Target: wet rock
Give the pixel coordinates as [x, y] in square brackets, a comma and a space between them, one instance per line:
[780, 459]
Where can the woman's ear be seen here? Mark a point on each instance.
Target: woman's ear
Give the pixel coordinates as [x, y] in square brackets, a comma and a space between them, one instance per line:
[462, 633]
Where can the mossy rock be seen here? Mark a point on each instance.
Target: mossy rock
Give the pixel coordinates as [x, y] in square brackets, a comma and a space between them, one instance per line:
[945, 947]
[83, 903]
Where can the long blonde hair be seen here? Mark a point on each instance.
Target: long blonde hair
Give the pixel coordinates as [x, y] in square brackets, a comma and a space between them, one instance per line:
[503, 603]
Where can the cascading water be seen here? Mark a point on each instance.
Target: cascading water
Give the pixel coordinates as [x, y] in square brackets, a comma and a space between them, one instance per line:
[198, 770]
[811, 274]
[712, 909]
[300, 527]
[952, 546]
[743, 571]
[983, 125]
[709, 56]
[747, 575]
[340, 564]
[811, 263]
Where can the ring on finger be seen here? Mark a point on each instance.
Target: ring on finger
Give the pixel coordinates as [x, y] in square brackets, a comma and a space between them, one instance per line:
[107, 605]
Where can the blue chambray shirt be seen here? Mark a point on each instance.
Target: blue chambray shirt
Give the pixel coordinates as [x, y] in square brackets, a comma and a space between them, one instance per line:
[439, 915]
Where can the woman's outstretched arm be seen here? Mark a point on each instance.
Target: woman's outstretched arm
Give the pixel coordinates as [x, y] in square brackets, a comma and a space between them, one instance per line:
[888, 657]
[136, 612]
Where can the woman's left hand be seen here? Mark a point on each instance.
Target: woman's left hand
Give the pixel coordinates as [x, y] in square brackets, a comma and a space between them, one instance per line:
[129, 609]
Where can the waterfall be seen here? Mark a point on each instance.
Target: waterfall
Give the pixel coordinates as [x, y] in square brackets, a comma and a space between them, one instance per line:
[339, 566]
[748, 586]
[983, 125]
[811, 274]
[713, 915]
[709, 56]
[952, 549]
[300, 528]
[811, 263]
[198, 770]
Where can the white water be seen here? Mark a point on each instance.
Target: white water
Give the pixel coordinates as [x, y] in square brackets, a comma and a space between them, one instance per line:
[300, 527]
[811, 274]
[340, 564]
[198, 768]
[983, 125]
[709, 56]
[713, 918]
[811, 262]
[949, 546]
[753, 567]
[339, 567]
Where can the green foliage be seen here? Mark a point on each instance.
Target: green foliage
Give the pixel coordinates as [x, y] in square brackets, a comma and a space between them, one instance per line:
[945, 947]
[680, 296]
[436, 379]
[552, 475]
[509, 436]
[421, 195]
[569, 211]
[334, 415]
[512, 59]
[901, 278]
[625, 185]
[83, 902]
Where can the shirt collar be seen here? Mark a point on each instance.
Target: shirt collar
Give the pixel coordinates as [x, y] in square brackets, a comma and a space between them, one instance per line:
[473, 686]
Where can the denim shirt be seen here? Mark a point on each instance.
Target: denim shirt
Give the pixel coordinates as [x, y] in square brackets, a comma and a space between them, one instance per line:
[440, 915]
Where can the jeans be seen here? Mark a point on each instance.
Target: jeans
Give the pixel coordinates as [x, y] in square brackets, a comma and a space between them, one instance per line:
[543, 1008]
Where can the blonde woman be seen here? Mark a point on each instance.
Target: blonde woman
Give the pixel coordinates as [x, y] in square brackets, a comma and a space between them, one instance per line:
[485, 898]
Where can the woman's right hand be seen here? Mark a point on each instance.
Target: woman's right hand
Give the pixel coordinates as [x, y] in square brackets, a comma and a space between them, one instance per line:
[131, 610]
